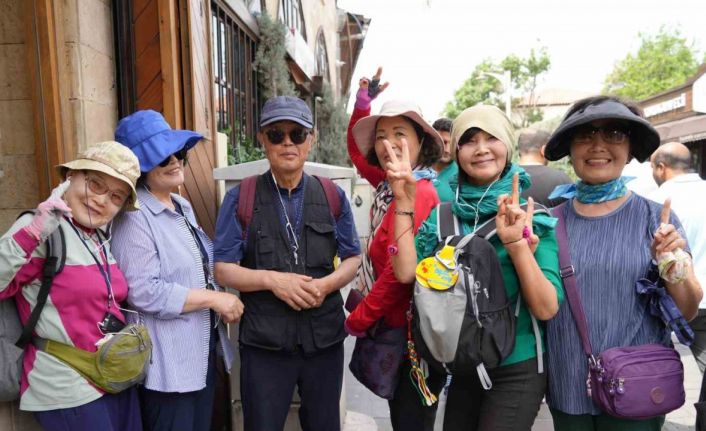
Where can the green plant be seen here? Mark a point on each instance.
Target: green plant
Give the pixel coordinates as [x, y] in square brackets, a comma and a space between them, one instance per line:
[332, 125]
[270, 59]
[241, 149]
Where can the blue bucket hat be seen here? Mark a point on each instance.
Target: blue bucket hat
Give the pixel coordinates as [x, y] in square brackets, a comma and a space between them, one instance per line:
[151, 138]
[286, 108]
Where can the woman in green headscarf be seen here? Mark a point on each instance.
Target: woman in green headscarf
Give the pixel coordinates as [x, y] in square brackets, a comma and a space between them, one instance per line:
[488, 186]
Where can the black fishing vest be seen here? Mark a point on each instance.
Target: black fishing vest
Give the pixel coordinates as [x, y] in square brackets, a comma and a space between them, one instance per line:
[268, 322]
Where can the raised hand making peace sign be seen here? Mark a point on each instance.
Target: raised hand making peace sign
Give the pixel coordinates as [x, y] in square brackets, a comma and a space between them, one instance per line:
[513, 223]
[399, 174]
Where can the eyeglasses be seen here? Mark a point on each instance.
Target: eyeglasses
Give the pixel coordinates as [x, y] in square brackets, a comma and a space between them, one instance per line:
[610, 134]
[180, 155]
[297, 135]
[98, 187]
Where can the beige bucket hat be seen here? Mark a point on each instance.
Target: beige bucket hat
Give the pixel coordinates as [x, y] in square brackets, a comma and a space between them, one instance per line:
[110, 158]
[364, 129]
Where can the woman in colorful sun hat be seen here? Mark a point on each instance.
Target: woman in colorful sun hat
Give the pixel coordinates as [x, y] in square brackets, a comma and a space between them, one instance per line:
[84, 295]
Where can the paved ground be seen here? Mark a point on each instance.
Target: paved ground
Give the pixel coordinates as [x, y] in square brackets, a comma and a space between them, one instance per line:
[367, 412]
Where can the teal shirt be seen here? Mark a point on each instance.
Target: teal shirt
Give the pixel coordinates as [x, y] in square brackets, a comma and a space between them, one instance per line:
[442, 182]
[547, 258]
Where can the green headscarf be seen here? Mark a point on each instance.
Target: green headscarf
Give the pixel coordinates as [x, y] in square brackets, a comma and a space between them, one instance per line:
[484, 199]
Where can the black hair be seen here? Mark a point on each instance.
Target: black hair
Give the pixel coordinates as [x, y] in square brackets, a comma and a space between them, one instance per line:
[673, 161]
[429, 151]
[442, 125]
[532, 141]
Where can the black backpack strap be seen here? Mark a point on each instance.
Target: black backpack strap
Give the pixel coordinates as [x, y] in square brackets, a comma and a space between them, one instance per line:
[446, 222]
[53, 264]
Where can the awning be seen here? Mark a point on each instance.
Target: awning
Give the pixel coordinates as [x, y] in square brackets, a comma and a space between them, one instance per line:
[686, 130]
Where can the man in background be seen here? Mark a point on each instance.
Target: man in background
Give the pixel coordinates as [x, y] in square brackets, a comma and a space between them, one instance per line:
[673, 172]
[446, 167]
[544, 178]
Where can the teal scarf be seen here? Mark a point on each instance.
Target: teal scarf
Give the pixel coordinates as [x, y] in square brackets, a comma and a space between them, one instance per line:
[593, 193]
[476, 204]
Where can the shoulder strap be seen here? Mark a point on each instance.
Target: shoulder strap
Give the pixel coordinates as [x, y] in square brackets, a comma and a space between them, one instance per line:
[566, 270]
[53, 264]
[246, 202]
[332, 196]
[446, 222]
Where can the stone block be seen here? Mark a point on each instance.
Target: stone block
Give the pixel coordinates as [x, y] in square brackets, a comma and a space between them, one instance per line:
[14, 76]
[18, 188]
[16, 127]
[70, 19]
[12, 27]
[72, 69]
[97, 77]
[100, 121]
[95, 26]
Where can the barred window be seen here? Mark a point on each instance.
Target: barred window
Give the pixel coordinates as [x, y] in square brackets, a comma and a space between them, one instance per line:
[235, 80]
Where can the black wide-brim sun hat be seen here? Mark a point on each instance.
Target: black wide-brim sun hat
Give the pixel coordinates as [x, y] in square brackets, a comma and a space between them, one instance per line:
[644, 139]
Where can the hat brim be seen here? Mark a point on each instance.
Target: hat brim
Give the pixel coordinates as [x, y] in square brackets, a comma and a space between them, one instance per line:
[302, 122]
[644, 139]
[154, 150]
[92, 165]
[364, 129]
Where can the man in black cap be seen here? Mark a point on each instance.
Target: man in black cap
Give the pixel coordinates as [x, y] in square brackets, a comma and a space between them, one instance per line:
[277, 236]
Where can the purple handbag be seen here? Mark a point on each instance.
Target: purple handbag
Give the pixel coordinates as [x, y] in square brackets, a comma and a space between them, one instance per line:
[377, 358]
[635, 382]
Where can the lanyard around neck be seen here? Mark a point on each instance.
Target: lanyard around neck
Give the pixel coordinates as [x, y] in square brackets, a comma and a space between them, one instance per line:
[197, 240]
[105, 272]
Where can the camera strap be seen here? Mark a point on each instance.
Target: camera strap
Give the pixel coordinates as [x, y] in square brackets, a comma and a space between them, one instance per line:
[202, 249]
[105, 271]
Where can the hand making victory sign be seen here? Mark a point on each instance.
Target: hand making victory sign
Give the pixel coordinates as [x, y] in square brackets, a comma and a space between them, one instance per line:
[513, 223]
[399, 175]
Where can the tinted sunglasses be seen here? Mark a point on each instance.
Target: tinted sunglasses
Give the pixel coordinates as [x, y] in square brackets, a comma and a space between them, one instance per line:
[297, 135]
[610, 133]
[180, 155]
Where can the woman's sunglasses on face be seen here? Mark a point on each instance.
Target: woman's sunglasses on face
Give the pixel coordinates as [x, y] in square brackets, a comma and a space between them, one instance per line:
[180, 155]
[609, 133]
[297, 135]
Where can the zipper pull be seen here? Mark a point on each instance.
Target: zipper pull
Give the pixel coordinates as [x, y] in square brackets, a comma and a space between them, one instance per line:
[621, 386]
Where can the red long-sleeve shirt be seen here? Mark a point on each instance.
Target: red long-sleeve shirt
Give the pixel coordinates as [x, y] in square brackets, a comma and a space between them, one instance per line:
[388, 298]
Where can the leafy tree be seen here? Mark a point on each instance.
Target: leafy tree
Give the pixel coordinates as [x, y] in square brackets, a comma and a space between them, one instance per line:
[332, 125]
[270, 59]
[664, 60]
[480, 88]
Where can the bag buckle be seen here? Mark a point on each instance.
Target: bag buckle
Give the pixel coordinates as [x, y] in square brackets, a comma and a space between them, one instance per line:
[567, 271]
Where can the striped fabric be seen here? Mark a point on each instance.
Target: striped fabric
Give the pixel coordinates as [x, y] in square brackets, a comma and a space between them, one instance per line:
[161, 263]
[77, 302]
[609, 253]
[366, 272]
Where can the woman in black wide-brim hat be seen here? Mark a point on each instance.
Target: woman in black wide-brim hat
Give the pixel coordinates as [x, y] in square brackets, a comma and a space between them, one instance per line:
[613, 236]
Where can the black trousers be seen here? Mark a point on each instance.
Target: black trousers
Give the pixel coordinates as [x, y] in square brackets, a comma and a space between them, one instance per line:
[511, 405]
[407, 413]
[267, 381]
[174, 411]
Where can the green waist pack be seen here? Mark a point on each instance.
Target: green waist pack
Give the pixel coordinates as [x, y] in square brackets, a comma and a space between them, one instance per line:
[121, 360]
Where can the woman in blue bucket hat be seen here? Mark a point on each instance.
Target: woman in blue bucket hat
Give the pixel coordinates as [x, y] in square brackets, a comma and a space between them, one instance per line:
[168, 263]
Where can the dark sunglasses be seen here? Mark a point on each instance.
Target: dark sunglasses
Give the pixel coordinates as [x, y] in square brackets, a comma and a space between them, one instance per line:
[297, 135]
[180, 155]
[610, 133]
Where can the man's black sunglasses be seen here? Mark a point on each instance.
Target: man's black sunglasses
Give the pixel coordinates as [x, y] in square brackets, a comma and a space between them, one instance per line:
[297, 135]
[180, 155]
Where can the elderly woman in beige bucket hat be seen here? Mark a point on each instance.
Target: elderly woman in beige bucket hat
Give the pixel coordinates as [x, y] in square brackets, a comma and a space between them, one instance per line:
[386, 300]
[82, 307]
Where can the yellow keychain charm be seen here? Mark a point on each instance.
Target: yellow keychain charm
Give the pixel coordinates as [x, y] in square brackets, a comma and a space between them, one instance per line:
[439, 271]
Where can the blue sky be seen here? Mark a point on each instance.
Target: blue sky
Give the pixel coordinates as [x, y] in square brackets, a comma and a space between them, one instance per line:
[429, 47]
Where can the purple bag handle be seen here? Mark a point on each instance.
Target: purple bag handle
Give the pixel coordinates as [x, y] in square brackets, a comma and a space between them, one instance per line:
[566, 270]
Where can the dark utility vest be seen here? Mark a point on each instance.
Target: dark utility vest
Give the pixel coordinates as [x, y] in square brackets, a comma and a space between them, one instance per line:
[268, 322]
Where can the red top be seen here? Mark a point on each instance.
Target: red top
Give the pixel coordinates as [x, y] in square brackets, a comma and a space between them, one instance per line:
[388, 297]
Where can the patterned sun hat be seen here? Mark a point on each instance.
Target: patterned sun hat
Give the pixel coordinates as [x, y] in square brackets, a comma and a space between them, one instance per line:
[111, 158]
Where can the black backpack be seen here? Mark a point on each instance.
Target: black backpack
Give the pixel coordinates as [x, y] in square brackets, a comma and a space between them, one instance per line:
[470, 327]
[13, 336]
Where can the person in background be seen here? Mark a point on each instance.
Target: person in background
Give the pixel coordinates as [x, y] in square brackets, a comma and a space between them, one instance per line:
[446, 167]
[97, 186]
[544, 178]
[613, 237]
[672, 169]
[282, 264]
[387, 298]
[168, 263]
[488, 187]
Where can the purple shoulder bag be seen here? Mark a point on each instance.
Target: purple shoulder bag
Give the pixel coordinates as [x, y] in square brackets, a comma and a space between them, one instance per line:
[634, 382]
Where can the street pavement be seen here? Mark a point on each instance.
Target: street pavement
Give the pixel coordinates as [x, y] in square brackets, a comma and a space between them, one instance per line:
[367, 412]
